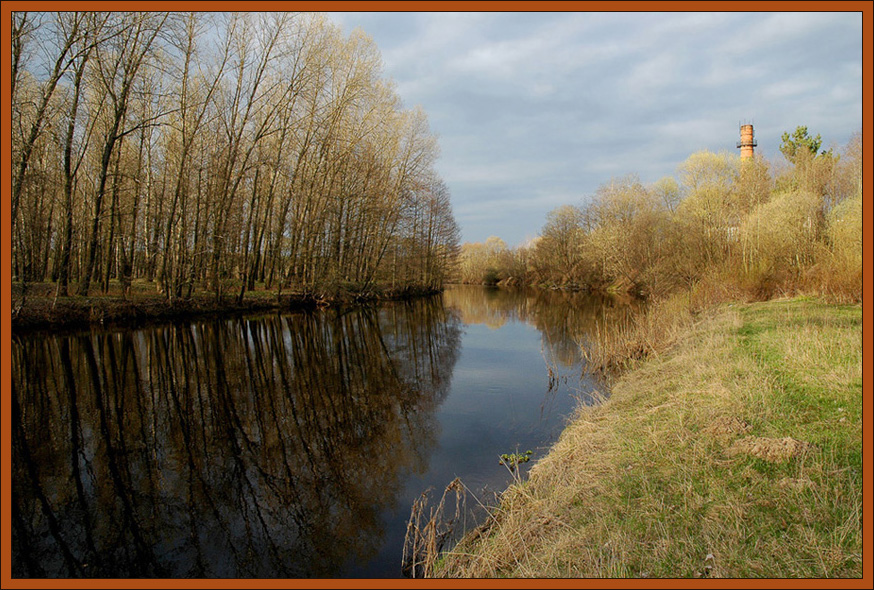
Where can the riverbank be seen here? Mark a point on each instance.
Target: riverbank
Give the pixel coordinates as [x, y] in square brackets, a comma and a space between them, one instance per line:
[736, 454]
[39, 309]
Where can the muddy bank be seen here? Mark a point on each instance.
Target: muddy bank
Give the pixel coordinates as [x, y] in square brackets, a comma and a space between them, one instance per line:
[44, 312]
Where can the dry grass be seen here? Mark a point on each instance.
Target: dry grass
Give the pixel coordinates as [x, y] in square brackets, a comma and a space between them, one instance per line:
[649, 331]
[425, 537]
[662, 480]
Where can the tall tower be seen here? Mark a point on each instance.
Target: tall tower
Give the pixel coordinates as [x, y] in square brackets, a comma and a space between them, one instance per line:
[747, 141]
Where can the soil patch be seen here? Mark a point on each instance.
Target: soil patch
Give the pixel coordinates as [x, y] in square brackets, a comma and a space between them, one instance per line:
[728, 426]
[773, 450]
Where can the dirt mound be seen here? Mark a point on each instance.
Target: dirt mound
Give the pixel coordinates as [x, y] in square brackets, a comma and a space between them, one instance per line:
[726, 426]
[774, 450]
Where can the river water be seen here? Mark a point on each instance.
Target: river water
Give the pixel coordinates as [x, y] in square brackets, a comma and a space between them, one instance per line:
[281, 445]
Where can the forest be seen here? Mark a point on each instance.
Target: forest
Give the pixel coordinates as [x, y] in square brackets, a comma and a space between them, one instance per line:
[217, 152]
[725, 228]
[227, 152]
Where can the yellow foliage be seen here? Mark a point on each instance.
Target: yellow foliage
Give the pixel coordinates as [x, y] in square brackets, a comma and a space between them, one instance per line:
[845, 231]
[782, 232]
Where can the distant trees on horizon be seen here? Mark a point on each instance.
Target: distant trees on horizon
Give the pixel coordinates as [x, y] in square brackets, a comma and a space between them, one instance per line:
[724, 223]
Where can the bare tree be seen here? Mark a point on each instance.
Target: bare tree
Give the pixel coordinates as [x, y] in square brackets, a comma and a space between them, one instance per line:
[90, 38]
[118, 64]
[61, 54]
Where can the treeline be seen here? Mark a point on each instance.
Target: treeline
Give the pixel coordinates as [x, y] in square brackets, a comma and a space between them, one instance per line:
[217, 151]
[725, 224]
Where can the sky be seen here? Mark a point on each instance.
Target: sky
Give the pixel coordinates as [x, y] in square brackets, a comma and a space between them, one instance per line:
[536, 110]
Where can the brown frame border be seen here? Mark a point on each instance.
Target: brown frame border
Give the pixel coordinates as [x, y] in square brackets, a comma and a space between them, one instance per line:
[866, 8]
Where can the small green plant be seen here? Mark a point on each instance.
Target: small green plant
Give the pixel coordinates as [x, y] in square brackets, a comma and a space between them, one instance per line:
[512, 460]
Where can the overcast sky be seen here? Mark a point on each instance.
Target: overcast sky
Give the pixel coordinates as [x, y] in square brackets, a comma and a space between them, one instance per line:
[536, 110]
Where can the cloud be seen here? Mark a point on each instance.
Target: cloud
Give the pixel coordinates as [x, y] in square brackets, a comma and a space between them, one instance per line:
[532, 108]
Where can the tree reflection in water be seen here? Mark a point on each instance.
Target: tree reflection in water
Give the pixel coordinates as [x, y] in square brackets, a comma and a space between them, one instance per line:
[260, 447]
[566, 319]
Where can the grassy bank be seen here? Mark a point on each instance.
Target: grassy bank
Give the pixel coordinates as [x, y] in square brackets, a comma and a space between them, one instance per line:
[738, 453]
[37, 308]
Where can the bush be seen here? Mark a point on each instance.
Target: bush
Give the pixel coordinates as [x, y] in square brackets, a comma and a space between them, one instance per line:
[491, 277]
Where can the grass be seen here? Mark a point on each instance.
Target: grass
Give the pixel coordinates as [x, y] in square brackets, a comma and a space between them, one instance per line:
[737, 453]
[649, 331]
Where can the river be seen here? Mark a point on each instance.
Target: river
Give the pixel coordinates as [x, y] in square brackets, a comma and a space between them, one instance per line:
[281, 445]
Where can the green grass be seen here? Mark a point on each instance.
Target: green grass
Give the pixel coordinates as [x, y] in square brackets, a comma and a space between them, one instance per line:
[654, 483]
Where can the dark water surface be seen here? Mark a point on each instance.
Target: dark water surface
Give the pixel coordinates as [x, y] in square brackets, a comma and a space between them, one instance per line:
[281, 445]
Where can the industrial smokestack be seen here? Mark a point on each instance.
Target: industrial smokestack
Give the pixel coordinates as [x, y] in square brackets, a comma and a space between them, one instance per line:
[747, 141]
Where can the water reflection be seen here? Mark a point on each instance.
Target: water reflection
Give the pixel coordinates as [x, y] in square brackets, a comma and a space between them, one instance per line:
[263, 447]
[565, 319]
